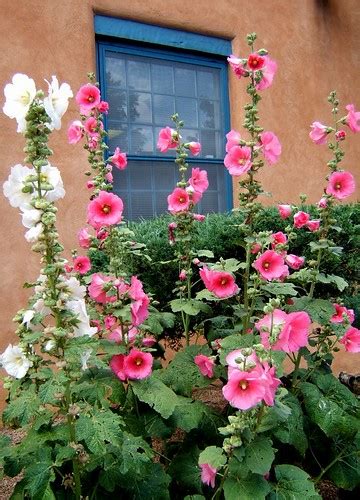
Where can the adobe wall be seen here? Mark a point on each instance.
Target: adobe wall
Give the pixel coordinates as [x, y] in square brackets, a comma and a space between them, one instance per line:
[315, 42]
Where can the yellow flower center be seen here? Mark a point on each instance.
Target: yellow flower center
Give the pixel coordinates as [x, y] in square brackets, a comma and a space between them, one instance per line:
[266, 265]
[106, 209]
[337, 186]
[243, 385]
[138, 362]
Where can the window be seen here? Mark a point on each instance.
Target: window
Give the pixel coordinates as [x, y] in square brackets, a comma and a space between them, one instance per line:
[145, 85]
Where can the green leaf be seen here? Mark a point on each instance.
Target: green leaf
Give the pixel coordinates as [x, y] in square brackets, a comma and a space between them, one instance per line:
[251, 488]
[291, 430]
[331, 278]
[280, 289]
[188, 414]
[259, 455]
[53, 389]
[293, 483]
[22, 409]
[39, 474]
[319, 310]
[205, 253]
[237, 341]
[156, 394]
[228, 265]
[213, 456]
[337, 392]
[154, 484]
[191, 307]
[185, 471]
[134, 453]
[182, 374]
[345, 473]
[99, 428]
[205, 294]
[99, 386]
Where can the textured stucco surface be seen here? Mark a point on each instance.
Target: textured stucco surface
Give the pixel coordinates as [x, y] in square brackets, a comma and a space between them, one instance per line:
[315, 42]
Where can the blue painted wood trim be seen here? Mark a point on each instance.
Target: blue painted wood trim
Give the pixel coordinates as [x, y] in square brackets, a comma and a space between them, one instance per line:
[140, 32]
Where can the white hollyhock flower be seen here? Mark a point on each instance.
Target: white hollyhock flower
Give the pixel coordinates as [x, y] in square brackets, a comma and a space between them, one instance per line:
[32, 236]
[27, 317]
[30, 217]
[83, 327]
[49, 346]
[12, 188]
[14, 361]
[57, 102]
[52, 176]
[40, 307]
[77, 291]
[85, 358]
[19, 95]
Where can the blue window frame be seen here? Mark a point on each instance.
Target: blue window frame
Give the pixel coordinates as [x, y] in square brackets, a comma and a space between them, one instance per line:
[145, 85]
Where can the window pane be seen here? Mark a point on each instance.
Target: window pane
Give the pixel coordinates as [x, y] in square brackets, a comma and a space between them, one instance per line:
[117, 100]
[162, 78]
[208, 84]
[140, 107]
[164, 108]
[187, 109]
[115, 71]
[138, 75]
[209, 114]
[118, 136]
[141, 140]
[185, 82]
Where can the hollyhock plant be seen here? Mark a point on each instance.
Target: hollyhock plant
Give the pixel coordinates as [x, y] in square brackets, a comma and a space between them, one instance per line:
[284, 211]
[139, 308]
[313, 225]
[15, 362]
[351, 340]
[82, 264]
[238, 160]
[13, 187]
[19, 95]
[88, 97]
[319, 133]
[270, 146]
[340, 312]
[198, 180]
[194, 147]
[199, 217]
[340, 135]
[178, 201]
[117, 366]
[138, 364]
[270, 265]
[294, 261]
[208, 474]
[57, 102]
[105, 210]
[220, 283]
[268, 72]
[323, 203]
[278, 238]
[341, 185]
[103, 107]
[353, 118]
[255, 248]
[271, 383]
[233, 139]
[205, 365]
[75, 132]
[244, 389]
[91, 126]
[255, 61]
[168, 139]
[118, 159]
[84, 238]
[238, 66]
[301, 219]
[96, 288]
[82, 327]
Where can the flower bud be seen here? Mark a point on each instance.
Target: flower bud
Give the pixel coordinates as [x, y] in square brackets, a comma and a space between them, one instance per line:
[340, 135]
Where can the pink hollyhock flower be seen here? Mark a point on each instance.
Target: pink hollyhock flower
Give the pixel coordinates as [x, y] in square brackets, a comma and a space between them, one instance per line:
[178, 201]
[353, 118]
[93, 142]
[195, 196]
[255, 61]
[271, 383]
[148, 341]
[103, 107]
[233, 139]
[220, 283]
[90, 184]
[171, 228]
[117, 363]
[119, 159]
[236, 360]
[244, 390]
[271, 147]
[75, 132]
[341, 185]
[278, 238]
[82, 264]
[105, 210]
[351, 340]
[294, 330]
[301, 219]
[322, 203]
[198, 180]
[138, 364]
[238, 66]
[238, 160]
[96, 323]
[205, 365]
[195, 148]
[91, 126]
[255, 248]
[136, 290]
[68, 268]
[109, 177]
[109, 321]
[340, 135]
[88, 97]
[313, 225]
[101, 234]
[268, 71]
[182, 275]
[338, 317]
[294, 261]
[168, 139]
[84, 238]
[284, 211]
[199, 217]
[96, 290]
[117, 336]
[208, 474]
[139, 308]
[319, 133]
[270, 265]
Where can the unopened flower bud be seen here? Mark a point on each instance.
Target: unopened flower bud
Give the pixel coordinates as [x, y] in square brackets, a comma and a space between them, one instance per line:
[340, 135]
[182, 275]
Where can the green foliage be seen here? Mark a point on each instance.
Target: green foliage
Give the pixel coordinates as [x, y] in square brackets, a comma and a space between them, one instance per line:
[248, 488]
[213, 456]
[98, 428]
[156, 394]
[319, 310]
[292, 483]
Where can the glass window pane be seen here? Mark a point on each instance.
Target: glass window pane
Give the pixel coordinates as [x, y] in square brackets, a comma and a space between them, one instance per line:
[117, 100]
[118, 136]
[141, 140]
[209, 114]
[208, 84]
[140, 107]
[187, 109]
[190, 135]
[138, 75]
[211, 144]
[162, 78]
[115, 71]
[164, 108]
[140, 176]
[166, 177]
[185, 82]
[142, 205]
